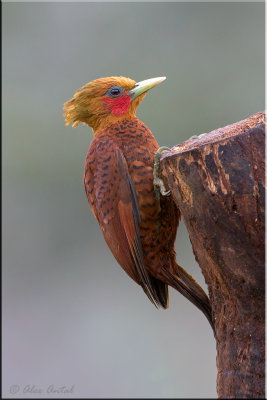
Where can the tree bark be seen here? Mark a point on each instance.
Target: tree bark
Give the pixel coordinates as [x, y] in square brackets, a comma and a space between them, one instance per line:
[218, 183]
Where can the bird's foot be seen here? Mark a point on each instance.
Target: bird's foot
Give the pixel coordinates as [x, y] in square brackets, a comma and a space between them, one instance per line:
[197, 136]
[158, 182]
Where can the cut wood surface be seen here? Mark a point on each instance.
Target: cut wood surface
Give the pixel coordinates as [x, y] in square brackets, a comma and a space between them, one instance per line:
[218, 183]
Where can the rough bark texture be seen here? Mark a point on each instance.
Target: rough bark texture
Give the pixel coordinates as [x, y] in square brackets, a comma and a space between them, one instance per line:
[217, 181]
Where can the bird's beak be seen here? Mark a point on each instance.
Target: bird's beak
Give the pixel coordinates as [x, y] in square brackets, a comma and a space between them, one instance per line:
[144, 86]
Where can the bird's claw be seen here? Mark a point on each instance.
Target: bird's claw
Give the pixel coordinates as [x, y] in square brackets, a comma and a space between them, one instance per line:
[197, 136]
[159, 186]
[158, 182]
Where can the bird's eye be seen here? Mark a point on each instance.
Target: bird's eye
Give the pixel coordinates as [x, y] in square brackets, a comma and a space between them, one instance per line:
[115, 91]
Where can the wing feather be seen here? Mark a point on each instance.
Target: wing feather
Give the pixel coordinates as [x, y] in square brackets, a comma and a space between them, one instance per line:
[118, 215]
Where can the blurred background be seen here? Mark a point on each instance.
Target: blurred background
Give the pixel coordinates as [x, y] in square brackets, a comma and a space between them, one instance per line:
[71, 316]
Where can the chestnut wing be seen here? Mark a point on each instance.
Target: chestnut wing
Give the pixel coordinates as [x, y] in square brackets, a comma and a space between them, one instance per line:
[112, 197]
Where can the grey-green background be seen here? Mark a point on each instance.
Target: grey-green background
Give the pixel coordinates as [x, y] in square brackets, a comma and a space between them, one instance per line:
[71, 316]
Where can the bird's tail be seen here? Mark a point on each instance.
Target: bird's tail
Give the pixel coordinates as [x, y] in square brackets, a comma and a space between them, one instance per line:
[188, 287]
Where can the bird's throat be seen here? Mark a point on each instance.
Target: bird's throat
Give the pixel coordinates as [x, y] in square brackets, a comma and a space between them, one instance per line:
[119, 106]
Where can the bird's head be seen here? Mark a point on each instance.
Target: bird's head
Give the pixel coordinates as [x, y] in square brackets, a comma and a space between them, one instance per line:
[104, 101]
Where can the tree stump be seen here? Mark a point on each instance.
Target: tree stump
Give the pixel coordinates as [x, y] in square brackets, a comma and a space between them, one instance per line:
[218, 183]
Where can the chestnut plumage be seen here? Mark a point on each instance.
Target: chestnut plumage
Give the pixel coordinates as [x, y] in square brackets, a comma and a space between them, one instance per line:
[139, 229]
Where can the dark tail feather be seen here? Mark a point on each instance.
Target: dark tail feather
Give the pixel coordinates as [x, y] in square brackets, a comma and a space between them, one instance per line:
[189, 288]
[162, 291]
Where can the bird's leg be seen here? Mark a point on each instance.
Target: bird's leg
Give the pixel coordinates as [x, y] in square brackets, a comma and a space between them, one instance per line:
[158, 182]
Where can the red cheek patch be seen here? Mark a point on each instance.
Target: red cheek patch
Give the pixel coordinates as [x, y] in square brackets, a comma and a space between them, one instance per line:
[118, 106]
